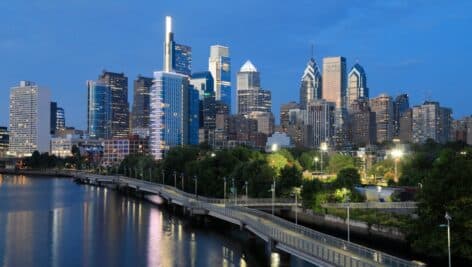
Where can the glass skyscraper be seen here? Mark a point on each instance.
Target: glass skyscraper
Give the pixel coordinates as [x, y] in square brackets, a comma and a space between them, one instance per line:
[219, 64]
[310, 88]
[99, 110]
[60, 119]
[357, 84]
[141, 106]
[118, 84]
[182, 62]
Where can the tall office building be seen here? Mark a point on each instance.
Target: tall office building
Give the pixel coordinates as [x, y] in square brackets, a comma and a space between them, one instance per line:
[203, 83]
[141, 106]
[334, 81]
[4, 141]
[99, 110]
[60, 119]
[400, 105]
[53, 119]
[310, 88]
[406, 126]
[334, 90]
[251, 97]
[357, 85]
[30, 117]
[118, 84]
[445, 121]
[177, 57]
[285, 114]
[428, 122]
[383, 108]
[321, 116]
[362, 122]
[219, 64]
[174, 116]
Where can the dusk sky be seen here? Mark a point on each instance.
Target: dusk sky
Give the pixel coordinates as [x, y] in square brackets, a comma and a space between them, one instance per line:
[422, 48]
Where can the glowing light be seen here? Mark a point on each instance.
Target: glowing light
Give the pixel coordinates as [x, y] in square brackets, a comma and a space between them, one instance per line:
[396, 153]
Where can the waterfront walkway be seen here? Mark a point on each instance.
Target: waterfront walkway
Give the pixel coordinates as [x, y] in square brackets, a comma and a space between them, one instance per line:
[307, 244]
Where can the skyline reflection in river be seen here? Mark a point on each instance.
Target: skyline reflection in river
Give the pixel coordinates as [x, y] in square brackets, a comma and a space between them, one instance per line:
[54, 222]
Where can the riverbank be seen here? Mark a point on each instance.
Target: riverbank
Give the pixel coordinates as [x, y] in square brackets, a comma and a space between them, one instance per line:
[52, 173]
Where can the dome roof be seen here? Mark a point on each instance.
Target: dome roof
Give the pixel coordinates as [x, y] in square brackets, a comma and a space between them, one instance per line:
[248, 67]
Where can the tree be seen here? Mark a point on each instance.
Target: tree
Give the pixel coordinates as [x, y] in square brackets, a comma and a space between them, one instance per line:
[446, 188]
[277, 162]
[339, 161]
[290, 176]
[348, 178]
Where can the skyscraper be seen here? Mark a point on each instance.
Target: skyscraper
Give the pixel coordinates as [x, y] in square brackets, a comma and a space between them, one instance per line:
[53, 119]
[4, 141]
[141, 106]
[174, 105]
[357, 84]
[334, 90]
[285, 114]
[219, 64]
[334, 81]
[310, 88]
[400, 105]
[383, 108]
[182, 59]
[30, 117]
[321, 116]
[99, 110]
[60, 119]
[251, 97]
[118, 84]
[177, 57]
[362, 122]
[203, 83]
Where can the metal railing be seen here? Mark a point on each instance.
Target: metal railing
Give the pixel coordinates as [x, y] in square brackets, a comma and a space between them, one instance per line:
[287, 234]
[372, 205]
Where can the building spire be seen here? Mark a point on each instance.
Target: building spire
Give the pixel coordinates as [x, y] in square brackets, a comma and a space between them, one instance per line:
[169, 40]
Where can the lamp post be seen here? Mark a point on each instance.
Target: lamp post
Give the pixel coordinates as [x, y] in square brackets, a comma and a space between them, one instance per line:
[224, 190]
[150, 174]
[316, 159]
[247, 196]
[235, 192]
[448, 225]
[323, 148]
[196, 185]
[273, 195]
[397, 154]
[295, 194]
[175, 179]
[182, 178]
[163, 177]
[348, 220]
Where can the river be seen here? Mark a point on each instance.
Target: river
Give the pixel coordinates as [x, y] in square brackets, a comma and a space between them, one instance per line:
[54, 222]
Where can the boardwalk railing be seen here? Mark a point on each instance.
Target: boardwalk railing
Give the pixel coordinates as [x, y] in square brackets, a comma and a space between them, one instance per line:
[308, 244]
[372, 205]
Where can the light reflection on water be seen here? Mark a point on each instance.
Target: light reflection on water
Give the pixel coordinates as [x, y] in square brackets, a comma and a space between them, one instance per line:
[53, 222]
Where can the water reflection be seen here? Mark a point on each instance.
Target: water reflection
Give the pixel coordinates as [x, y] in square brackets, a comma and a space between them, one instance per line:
[53, 222]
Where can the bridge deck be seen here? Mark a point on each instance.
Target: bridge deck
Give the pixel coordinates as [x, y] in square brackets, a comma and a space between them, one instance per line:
[305, 243]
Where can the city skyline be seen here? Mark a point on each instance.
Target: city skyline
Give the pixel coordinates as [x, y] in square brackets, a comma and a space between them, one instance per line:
[392, 67]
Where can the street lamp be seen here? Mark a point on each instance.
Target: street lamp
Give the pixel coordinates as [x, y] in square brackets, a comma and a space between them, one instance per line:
[182, 178]
[274, 147]
[397, 154]
[235, 192]
[273, 196]
[224, 191]
[348, 220]
[448, 225]
[196, 185]
[316, 159]
[175, 179]
[247, 195]
[323, 148]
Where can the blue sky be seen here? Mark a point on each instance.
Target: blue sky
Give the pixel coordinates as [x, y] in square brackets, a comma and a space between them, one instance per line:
[418, 47]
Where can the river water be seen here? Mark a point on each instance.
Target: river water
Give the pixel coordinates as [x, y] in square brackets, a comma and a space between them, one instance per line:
[54, 222]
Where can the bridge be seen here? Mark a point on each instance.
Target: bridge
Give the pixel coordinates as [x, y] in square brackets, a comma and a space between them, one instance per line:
[312, 246]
